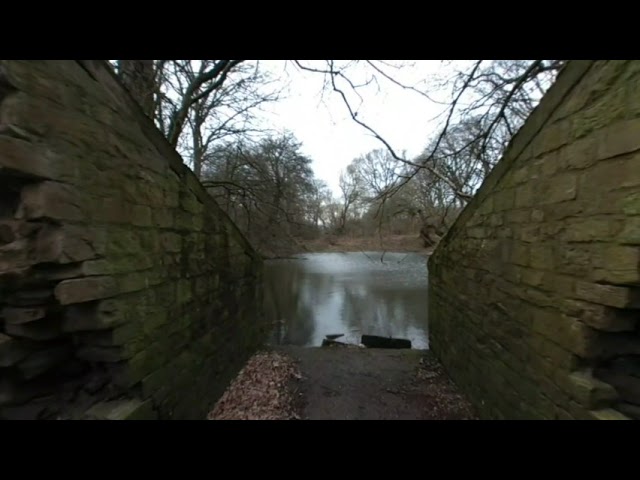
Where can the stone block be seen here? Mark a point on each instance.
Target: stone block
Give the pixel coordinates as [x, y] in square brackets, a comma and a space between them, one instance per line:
[618, 139]
[122, 242]
[154, 382]
[18, 315]
[535, 278]
[45, 329]
[524, 196]
[66, 244]
[162, 218]
[13, 350]
[20, 155]
[172, 198]
[93, 353]
[153, 318]
[602, 317]
[147, 361]
[518, 216]
[579, 154]
[590, 229]
[610, 295]
[565, 331]
[574, 259]
[141, 216]
[98, 315]
[85, 289]
[16, 394]
[118, 336]
[43, 361]
[171, 242]
[150, 241]
[30, 297]
[631, 204]
[541, 257]
[114, 210]
[114, 266]
[618, 265]
[547, 356]
[553, 136]
[611, 175]
[504, 199]
[630, 234]
[520, 254]
[589, 391]
[520, 175]
[530, 233]
[51, 200]
[559, 188]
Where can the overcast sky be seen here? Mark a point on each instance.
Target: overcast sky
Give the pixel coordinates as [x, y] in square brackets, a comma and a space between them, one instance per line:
[322, 123]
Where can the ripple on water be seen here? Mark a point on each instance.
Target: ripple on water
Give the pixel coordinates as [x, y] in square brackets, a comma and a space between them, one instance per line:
[351, 293]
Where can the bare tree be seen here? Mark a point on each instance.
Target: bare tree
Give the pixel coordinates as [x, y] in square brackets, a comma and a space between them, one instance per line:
[228, 113]
[378, 171]
[198, 103]
[321, 198]
[499, 94]
[267, 188]
[352, 189]
[190, 82]
[205, 108]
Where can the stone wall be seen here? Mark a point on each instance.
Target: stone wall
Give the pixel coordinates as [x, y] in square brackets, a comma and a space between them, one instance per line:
[125, 291]
[535, 291]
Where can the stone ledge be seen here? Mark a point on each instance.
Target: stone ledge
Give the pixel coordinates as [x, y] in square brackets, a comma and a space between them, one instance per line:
[590, 391]
[122, 410]
[609, 295]
[607, 414]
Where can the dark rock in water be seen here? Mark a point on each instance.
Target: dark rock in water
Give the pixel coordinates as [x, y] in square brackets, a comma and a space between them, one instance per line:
[373, 341]
[333, 336]
[332, 343]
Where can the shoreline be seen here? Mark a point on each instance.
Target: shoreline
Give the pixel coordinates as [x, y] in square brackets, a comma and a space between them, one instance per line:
[346, 244]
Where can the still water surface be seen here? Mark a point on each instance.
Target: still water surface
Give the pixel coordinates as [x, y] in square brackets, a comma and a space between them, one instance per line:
[318, 294]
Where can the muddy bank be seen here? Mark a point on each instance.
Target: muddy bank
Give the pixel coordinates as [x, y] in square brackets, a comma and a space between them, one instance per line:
[376, 384]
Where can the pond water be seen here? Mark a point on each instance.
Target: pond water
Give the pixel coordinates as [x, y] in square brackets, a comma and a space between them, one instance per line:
[319, 294]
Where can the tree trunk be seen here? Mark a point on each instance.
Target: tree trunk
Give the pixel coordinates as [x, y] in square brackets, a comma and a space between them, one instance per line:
[138, 76]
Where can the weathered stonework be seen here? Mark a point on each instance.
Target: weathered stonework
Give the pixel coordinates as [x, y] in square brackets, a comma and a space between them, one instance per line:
[534, 293]
[125, 291]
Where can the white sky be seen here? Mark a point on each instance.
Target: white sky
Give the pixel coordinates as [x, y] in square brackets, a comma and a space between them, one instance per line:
[330, 137]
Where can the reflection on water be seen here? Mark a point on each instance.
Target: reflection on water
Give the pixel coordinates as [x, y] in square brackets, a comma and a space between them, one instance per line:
[352, 293]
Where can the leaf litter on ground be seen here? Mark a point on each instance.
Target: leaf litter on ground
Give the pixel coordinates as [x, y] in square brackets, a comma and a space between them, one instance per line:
[442, 400]
[261, 391]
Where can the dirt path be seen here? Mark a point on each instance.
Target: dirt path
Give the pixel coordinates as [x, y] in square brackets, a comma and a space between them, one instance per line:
[373, 384]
